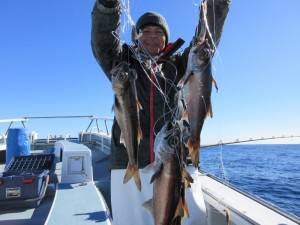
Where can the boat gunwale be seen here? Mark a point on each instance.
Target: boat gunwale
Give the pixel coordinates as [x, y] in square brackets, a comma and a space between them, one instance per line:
[257, 199]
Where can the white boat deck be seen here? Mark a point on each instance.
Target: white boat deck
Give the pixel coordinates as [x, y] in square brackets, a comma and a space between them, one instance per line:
[78, 204]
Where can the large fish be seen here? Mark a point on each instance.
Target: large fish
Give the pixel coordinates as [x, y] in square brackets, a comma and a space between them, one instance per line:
[168, 204]
[126, 108]
[195, 87]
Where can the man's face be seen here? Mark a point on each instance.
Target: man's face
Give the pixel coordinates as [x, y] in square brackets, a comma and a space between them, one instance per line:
[153, 39]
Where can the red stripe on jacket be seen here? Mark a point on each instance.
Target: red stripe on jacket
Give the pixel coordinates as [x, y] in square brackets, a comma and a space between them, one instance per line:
[151, 102]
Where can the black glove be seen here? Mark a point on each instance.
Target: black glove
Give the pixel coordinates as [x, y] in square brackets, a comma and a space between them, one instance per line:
[109, 3]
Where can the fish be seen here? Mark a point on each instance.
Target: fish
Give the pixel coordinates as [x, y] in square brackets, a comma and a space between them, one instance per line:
[126, 108]
[168, 204]
[195, 87]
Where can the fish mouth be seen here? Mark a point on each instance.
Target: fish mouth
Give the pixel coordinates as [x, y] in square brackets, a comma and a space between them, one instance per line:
[122, 76]
[174, 141]
[176, 133]
[173, 135]
[120, 72]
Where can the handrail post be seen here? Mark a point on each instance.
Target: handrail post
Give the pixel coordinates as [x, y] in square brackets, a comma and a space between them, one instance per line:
[89, 125]
[97, 126]
[106, 127]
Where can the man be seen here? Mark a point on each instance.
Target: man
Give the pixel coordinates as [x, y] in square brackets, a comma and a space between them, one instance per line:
[156, 89]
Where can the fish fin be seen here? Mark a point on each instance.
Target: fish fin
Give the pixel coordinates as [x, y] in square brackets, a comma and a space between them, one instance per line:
[187, 179]
[122, 140]
[214, 82]
[209, 112]
[149, 205]
[179, 210]
[137, 179]
[116, 103]
[180, 84]
[139, 105]
[150, 167]
[183, 80]
[185, 208]
[156, 173]
[184, 116]
[139, 135]
[193, 146]
[133, 171]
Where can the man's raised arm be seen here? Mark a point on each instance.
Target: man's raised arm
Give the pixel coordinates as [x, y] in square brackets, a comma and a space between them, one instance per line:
[105, 33]
[217, 11]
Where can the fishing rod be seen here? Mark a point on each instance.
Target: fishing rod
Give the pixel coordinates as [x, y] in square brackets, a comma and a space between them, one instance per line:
[237, 141]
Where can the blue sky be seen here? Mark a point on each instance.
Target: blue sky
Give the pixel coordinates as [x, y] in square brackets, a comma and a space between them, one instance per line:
[47, 67]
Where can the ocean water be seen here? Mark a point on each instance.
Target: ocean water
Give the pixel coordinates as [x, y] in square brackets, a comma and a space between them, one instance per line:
[271, 172]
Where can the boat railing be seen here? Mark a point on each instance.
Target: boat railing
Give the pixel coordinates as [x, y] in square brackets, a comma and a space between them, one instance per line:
[99, 140]
[255, 198]
[99, 137]
[12, 121]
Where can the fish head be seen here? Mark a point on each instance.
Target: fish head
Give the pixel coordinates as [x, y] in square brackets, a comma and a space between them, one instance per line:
[200, 54]
[185, 130]
[120, 75]
[167, 142]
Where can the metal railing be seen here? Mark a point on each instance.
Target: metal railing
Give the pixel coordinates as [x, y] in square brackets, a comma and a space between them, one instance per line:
[94, 119]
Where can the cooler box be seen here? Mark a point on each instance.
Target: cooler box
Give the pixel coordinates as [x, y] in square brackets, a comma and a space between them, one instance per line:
[18, 143]
[24, 181]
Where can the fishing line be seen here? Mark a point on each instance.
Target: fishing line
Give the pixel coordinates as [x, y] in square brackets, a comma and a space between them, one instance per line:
[222, 167]
[205, 106]
[145, 71]
[172, 86]
[214, 16]
[159, 118]
[158, 87]
[215, 50]
[128, 21]
[115, 34]
[125, 5]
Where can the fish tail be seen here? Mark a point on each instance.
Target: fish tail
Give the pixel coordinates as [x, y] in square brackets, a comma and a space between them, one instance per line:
[179, 210]
[187, 179]
[214, 82]
[182, 209]
[139, 105]
[193, 146]
[185, 116]
[149, 205]
[133, 171]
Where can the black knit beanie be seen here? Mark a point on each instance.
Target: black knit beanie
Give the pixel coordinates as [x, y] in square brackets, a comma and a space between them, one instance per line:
[153, 18]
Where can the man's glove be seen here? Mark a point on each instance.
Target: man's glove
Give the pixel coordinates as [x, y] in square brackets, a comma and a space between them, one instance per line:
[109, 3]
